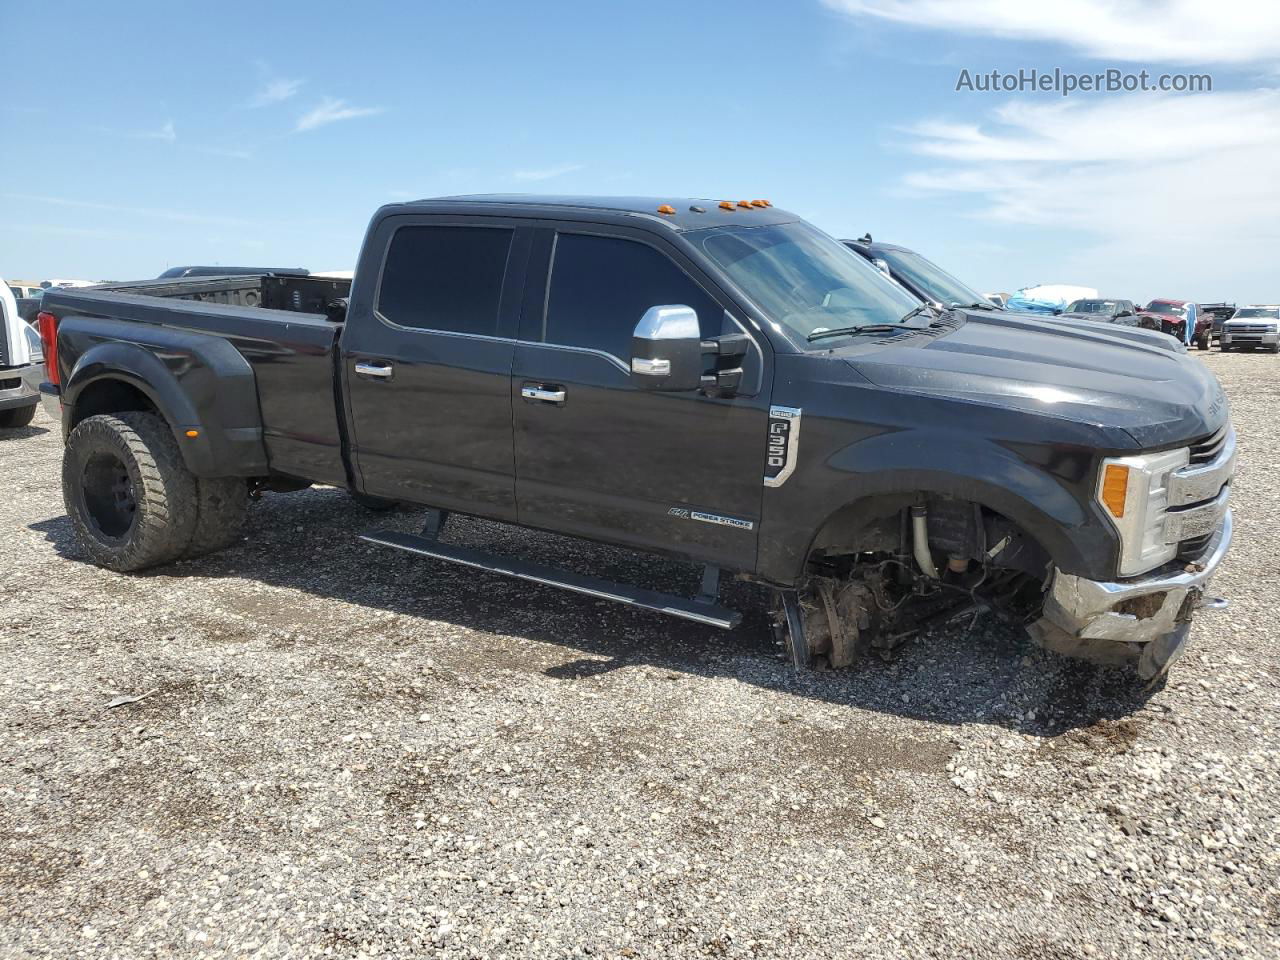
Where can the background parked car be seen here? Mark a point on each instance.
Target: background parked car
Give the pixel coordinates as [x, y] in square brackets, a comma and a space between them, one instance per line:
[1250, 327]
[929, 283]
[1172, 316]
[22, 291]
[177, 273]
[1218, 313]
[1105, 311]
[21, 364]
[922, 278]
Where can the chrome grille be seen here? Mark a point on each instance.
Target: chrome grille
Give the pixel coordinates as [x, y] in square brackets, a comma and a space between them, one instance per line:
[1205, 451]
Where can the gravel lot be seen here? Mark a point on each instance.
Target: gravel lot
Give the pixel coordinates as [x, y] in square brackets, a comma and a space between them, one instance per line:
[348, 752]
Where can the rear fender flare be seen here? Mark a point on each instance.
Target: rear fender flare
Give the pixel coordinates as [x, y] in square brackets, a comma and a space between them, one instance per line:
[190, 392]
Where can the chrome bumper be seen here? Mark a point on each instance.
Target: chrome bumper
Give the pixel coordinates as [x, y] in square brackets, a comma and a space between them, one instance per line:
[1088, 608]
[21, 394]
[1153, 609]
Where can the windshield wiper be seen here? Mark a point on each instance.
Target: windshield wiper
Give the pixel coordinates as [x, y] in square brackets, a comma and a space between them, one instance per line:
[984, 305]
[916, 311]
[865, 328]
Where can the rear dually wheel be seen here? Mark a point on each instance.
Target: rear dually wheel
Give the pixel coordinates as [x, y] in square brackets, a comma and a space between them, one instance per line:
[130, 497]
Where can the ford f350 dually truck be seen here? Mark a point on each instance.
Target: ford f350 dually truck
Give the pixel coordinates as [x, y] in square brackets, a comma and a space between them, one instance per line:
[718, 382]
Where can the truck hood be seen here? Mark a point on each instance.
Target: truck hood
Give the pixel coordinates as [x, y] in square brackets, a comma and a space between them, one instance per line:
[1085, 373]
[1079, 324]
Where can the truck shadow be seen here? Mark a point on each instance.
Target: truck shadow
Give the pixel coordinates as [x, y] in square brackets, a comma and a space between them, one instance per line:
[972, 672]
[21, 433]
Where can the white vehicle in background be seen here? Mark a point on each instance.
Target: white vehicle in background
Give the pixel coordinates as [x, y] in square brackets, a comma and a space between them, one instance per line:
[21, 364]
[1251, 327]
[23, 291]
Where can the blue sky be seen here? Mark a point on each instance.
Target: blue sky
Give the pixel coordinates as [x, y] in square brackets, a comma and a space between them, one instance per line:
[145, 135]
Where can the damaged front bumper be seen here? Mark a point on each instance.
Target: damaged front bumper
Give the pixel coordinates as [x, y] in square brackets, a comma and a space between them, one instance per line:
[1145, 619]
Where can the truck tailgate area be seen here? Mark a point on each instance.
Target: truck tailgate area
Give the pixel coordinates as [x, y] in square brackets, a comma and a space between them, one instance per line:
[290, 354]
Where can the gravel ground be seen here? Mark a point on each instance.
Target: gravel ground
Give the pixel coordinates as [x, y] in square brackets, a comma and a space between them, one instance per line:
[347, 752]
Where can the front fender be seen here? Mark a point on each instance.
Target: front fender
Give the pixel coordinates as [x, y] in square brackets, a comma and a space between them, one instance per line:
[194, 386]
[1042, 492]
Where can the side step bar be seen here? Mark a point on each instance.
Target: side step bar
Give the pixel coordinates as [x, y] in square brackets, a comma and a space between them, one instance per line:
[699, 611]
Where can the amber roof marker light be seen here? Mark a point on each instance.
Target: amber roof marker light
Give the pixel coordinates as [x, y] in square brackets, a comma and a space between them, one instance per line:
[667, 208]
[745, 203]
[727, 205]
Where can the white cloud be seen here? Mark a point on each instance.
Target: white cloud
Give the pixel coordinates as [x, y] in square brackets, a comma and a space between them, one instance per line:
[165, 133]
[546, 173]
[331, 110]
[1158, 186]
[275, 90]
[1155, 31]
[177, 216]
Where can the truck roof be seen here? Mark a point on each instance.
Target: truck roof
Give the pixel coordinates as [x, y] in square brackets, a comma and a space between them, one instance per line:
[690, 213]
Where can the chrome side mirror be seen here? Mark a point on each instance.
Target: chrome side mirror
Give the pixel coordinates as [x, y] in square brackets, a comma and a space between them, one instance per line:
[666, 349]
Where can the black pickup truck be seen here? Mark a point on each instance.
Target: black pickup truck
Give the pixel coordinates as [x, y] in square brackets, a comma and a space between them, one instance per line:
[715, 381]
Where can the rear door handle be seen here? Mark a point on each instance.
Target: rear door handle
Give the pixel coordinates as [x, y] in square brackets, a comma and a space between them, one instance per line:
[381, 370]
[534, 391]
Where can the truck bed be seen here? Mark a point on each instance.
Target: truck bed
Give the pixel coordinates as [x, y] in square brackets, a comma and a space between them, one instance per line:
[291, 293]
[267, 321]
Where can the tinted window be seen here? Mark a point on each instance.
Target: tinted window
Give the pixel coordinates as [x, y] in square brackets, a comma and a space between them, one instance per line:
[601, 287]
[445, 278]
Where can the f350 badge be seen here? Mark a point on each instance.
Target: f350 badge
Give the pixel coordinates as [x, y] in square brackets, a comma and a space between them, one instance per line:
[784, 439]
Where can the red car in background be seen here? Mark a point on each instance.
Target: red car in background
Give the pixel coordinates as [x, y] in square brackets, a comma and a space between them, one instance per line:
[1172, 316]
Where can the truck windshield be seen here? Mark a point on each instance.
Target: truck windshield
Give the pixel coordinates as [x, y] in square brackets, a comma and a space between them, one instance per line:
[803, 279]
[1269, 312]
[932, 279]
[1092, 306]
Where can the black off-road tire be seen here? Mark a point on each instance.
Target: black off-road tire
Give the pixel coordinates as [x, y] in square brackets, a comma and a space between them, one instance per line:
[222, 507]
[1202, 341]
[124, 470]
[16, 417]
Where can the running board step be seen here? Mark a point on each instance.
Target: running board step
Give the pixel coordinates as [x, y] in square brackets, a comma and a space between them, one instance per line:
[696, 610]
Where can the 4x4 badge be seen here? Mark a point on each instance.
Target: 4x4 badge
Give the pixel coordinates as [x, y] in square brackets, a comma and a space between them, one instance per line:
[784, 439]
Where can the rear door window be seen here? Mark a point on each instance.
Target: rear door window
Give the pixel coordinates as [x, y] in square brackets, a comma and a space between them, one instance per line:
[445, 278]
[601, 286]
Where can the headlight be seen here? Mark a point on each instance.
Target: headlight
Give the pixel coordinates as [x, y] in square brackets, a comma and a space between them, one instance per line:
[1134, 493]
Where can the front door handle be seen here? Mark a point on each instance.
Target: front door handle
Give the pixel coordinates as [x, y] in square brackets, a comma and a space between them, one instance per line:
[379, 369]
[533, 391]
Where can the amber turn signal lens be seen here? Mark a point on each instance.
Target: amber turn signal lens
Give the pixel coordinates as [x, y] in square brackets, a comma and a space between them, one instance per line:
[667, 209]
[726, 205]
[1115, 488]
[193, 433]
